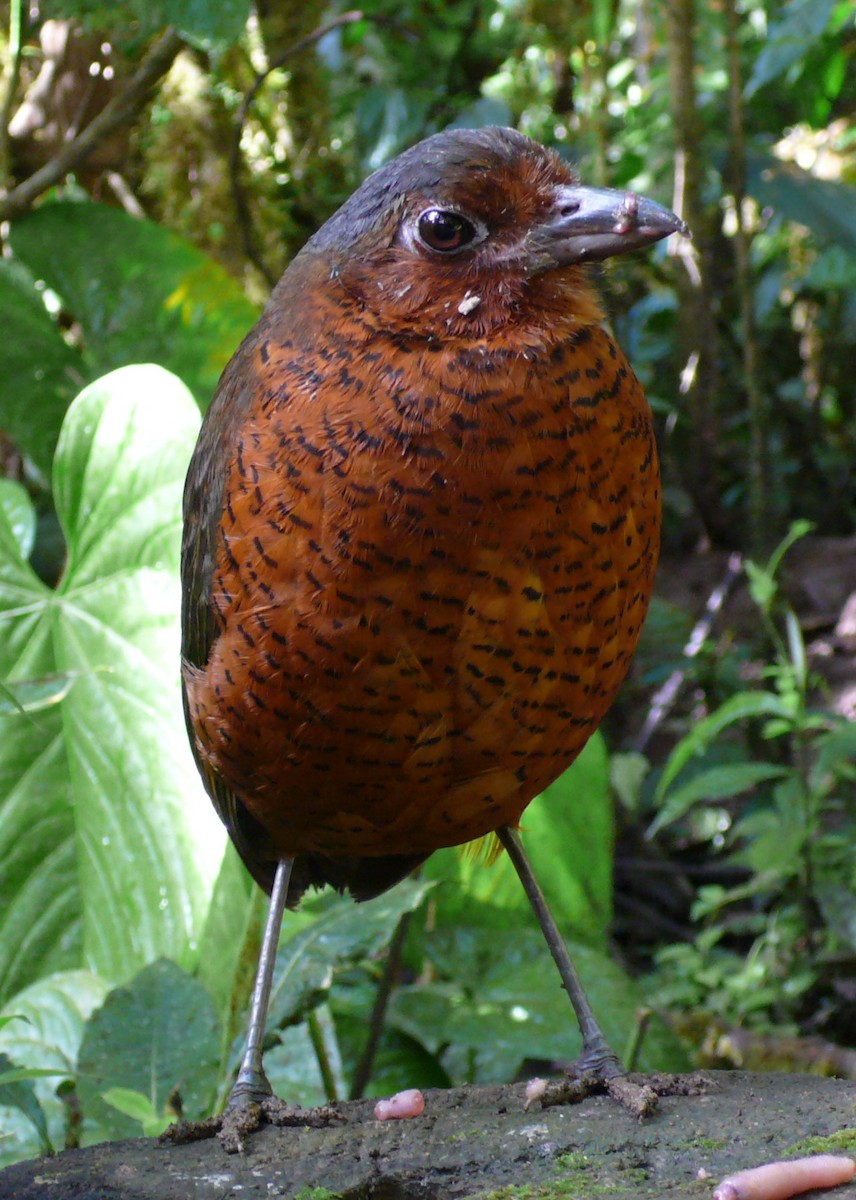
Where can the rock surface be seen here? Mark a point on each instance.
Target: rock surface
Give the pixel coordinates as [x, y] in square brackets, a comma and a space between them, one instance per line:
[477, 1144]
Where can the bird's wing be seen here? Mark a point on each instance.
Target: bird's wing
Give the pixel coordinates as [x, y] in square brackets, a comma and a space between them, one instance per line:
[203, 499]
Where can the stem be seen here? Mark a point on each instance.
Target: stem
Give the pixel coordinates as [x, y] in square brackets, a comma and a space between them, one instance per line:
[16, 23]
[119, 111]
[760, 522]
[696, 323]
[319, 1045]
[363, 1071]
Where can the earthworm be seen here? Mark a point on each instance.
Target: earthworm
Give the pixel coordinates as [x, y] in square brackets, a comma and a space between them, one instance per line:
[403, 1104]
[779, 1180]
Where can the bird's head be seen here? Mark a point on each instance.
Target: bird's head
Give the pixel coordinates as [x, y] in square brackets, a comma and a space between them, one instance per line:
[475, 233]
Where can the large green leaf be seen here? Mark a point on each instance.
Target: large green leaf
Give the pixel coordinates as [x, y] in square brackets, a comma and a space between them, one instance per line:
[502, 1002]
[45, 1033]
[801, 24]
[568, 836]
[158, 1033]
[205, 23]
[720, 782]
[342, 934]
[36, 367]
[140, 293]
[741, 707]
[107, 844]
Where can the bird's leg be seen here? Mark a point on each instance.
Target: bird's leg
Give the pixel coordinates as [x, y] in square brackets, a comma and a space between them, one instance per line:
[252, 1084]
[251, 1101]
[598, 1068]
[597, 1056]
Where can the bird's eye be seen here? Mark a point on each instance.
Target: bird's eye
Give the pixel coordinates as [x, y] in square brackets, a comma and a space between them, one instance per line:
[445, 231]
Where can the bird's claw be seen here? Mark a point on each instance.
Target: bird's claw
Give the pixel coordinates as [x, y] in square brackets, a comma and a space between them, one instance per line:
[234, 1126]
[637, 1093]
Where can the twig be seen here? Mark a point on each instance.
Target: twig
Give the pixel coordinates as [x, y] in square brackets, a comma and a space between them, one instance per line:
[239, 197]
[665, 696]
[16, 47]
[363, 1071]
[116, 112]
[697, 329]
[242, 209]
[319, 1045]
[761, 525]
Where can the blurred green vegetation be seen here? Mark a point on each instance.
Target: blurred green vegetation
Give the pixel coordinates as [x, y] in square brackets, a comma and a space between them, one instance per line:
[124, 917]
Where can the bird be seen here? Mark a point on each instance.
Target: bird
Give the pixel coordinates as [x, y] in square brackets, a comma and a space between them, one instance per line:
[421, 524]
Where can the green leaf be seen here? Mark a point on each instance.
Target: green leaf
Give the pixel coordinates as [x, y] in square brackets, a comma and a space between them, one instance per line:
[838, 906]
[18, 1073]
[108, 847]
[714, 784]
[801, 24]
[36, 366]
[568, 835]
[825, 206]
[33, 695]
[342, 934]
[742, 707]
[230, 941]
[139, 1108]
[46, 1039]
[292, 1067]
[17, 1092]
[208, 24]
[158, 1033]
[19, 511]
[504, 1003]
[628, 770]
[141, 293]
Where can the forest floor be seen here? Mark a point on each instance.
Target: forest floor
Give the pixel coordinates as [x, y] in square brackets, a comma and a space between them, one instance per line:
[478, 1143]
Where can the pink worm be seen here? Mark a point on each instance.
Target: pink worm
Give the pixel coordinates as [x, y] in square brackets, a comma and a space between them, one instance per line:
[403, 1104]
[779, 1180]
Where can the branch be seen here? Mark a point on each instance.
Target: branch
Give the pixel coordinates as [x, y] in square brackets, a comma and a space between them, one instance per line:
[761, 510]
[664, 698]
[16, 45]
[239, 198]
[119, 111]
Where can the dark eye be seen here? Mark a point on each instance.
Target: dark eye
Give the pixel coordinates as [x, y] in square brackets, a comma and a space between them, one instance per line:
[445, 231]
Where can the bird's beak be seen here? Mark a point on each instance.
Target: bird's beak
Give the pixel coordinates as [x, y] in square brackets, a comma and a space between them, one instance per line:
[588, 224]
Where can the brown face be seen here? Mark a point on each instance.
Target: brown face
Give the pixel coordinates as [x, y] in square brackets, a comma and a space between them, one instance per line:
[489, 238]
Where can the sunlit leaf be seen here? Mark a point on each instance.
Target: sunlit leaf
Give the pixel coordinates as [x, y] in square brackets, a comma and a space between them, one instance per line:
[140, 292]
[789, 38]
[741, 707]
[105, 834]
[47, 1039]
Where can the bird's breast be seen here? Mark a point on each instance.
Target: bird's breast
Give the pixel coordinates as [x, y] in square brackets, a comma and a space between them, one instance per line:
[432, 567]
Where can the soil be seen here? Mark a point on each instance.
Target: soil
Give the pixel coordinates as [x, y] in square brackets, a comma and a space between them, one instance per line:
[478, 1143]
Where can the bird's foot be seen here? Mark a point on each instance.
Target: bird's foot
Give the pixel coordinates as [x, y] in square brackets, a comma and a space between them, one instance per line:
[637, 1093]
[235, 1125]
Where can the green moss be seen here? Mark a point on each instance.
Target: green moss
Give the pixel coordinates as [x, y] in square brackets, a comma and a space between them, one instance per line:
[843, 1141]
[575, 1160]
[707, 1143]
[316, 1193]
